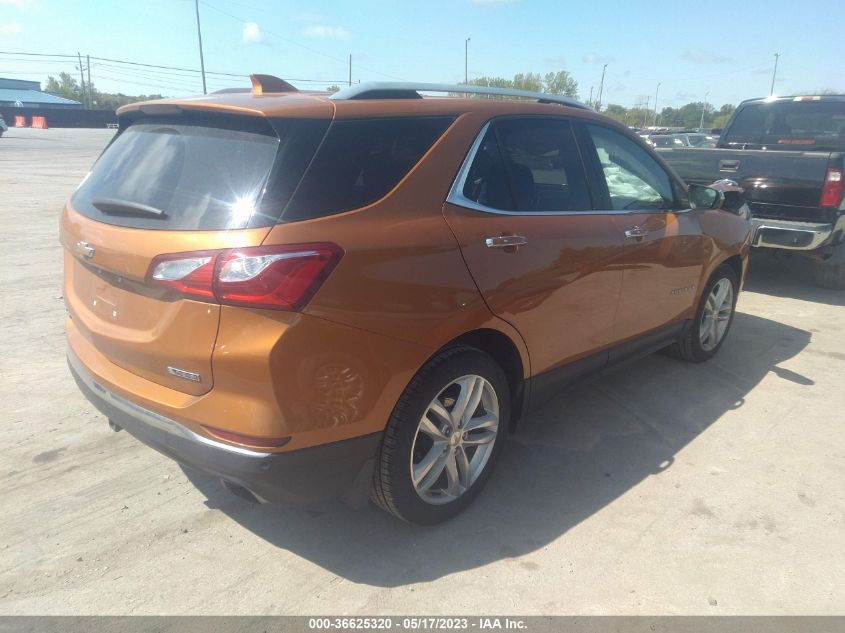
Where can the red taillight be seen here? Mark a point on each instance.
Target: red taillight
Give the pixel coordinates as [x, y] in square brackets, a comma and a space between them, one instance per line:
[833, 188]
[189, 273]
[278, 277]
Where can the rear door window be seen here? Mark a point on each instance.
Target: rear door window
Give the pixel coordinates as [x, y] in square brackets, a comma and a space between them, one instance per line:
[207, 174]
[528, 165]
[360, 161]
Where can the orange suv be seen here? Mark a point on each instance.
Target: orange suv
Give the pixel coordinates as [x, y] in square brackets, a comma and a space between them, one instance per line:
[310, 296]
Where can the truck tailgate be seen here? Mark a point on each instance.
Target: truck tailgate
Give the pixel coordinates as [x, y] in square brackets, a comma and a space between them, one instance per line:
[769, 177]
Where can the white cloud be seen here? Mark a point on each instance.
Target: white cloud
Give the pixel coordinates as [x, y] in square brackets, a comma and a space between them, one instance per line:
[11, 28]
[592, 58]
[251, 33]
[326, 32]
[704, 57]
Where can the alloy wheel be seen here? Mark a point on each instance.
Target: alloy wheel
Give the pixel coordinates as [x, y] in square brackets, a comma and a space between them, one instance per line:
[716, 315]
[454, 439]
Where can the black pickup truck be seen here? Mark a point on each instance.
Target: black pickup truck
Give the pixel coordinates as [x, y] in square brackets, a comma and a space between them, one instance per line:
[788, 154]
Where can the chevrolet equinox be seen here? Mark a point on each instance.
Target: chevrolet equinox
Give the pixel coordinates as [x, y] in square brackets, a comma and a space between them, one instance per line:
[306, 295]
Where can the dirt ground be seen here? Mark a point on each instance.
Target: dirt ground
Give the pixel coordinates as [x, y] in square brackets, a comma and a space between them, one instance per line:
[660, 488]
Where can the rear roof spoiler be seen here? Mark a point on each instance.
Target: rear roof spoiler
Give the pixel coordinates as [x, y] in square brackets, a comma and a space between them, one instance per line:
[262, 84]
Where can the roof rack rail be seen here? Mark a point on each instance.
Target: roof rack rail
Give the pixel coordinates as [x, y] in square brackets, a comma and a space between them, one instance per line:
[403, 90]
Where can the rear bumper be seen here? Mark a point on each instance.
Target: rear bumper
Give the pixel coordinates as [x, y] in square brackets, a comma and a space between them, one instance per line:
[300, 476]
[805, 236]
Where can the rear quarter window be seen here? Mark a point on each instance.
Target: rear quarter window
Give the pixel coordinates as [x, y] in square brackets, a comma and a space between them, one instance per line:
[360, 161]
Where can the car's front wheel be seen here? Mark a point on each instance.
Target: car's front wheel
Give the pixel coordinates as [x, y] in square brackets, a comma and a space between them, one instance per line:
[443, 437]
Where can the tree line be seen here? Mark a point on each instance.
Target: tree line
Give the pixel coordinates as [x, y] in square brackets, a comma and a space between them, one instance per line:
[66, 86]
[562, 83]
[686, 116]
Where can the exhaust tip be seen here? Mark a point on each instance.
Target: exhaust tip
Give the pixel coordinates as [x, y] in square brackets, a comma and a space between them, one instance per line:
[239, 491]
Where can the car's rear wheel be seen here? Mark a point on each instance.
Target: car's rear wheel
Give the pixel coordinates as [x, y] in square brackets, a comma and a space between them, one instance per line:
[713, 318]
[443, 437]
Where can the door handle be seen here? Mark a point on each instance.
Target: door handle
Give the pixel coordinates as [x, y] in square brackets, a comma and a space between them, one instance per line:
[505, 241]
[636, 233]
[728, 165]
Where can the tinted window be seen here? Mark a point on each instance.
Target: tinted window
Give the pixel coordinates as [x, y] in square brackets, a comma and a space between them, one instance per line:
[203, 175]
[529, 165]
[634, 179]
[790, 123]
[362, 160]
[487, 180]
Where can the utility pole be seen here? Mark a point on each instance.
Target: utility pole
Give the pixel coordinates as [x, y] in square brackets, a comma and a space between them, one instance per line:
[645, 113]
[601, 89]
[350, 69]
[466, 60]
[199, 37]
[90, 88]
[82, 79]
[703, 110]
[590, 102]
[656, 91]
[774, 74]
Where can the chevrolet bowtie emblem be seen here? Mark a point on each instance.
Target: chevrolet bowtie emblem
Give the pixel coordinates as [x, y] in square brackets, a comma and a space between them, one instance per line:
[84, 249]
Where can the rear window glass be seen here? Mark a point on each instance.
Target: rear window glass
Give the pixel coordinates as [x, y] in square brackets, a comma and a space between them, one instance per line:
[788, 123]
[204, 175]
[360, 161]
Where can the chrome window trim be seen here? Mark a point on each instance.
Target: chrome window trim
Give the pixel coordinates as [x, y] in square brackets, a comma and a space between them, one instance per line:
[456, 193]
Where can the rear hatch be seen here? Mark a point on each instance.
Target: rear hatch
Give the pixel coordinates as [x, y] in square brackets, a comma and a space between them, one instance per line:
[175, 182]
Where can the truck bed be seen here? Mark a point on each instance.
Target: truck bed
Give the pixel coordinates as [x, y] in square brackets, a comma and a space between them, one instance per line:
[778, 184]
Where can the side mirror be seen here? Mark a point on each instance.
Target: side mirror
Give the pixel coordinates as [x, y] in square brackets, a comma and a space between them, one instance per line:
[701, 197]
[735, 201]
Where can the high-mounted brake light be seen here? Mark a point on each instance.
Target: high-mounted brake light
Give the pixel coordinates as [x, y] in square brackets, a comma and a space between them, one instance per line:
[834, 185]
[277, 277]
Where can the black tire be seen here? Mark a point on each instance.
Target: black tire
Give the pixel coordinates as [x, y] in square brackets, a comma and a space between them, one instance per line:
[828, 274]
[393, 489]
[689, 347]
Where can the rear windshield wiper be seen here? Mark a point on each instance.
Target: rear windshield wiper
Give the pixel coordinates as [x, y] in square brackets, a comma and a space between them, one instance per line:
[112, 206]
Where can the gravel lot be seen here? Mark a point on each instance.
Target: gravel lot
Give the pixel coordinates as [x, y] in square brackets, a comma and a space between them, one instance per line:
[661, 488]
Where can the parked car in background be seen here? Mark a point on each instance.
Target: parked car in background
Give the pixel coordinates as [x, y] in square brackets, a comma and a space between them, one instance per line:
[666, 140]
[307, 295]
[3, 126]
[788, 154]
[698, 139]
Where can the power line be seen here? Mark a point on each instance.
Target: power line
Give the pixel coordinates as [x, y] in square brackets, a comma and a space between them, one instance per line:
[157, 66]
[127, 62]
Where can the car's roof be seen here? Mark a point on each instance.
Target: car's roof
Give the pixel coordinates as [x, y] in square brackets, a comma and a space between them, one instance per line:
[800, 98]
[304, 105]
[366, 100]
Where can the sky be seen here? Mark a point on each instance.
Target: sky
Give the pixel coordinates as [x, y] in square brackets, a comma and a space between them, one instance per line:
[724, 50]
